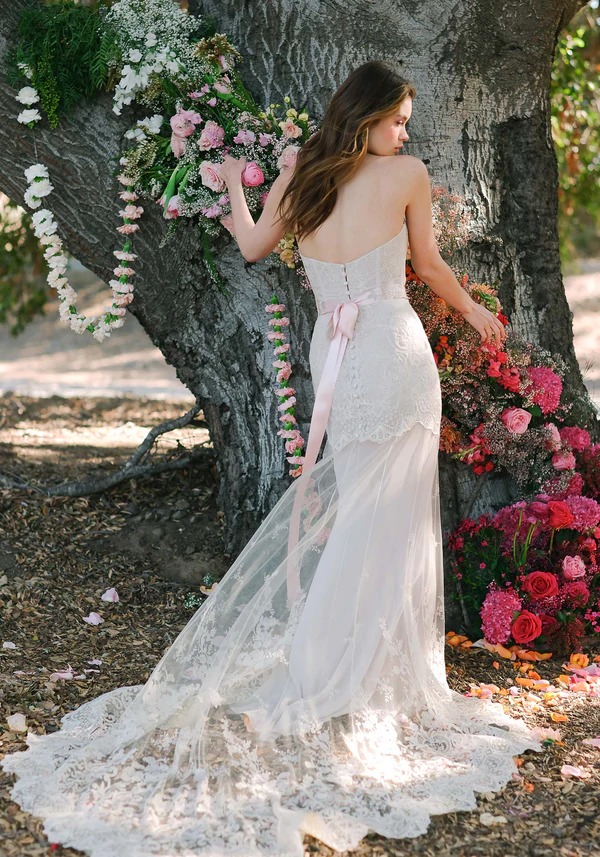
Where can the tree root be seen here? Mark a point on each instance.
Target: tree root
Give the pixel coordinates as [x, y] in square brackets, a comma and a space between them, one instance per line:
[136, 466]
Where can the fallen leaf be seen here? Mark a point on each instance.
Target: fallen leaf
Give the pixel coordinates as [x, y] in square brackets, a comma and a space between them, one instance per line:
[489, 820]
[17, 722]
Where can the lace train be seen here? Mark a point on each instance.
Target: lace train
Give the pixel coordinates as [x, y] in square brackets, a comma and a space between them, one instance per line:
[358, 729]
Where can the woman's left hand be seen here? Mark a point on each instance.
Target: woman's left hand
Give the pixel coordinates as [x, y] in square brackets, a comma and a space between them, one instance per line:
[232, 169]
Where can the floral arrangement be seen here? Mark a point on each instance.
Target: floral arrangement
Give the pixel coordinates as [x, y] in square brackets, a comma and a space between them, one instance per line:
[531, 570]
[503, 406]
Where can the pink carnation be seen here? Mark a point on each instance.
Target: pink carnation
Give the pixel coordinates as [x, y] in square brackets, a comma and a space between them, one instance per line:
[575, 437]
[211, 137]
[497, 614]
[585, 511]
[547, 387]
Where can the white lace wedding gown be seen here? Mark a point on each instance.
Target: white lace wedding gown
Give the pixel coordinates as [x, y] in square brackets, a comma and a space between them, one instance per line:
[328, 633]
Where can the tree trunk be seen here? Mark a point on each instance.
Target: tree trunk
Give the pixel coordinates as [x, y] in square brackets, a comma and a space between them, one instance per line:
[481, 122]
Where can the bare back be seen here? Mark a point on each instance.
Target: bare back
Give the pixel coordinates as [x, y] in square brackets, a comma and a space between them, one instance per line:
[370, 209]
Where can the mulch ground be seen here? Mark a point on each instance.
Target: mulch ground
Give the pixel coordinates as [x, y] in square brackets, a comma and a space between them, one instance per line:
[158, 542]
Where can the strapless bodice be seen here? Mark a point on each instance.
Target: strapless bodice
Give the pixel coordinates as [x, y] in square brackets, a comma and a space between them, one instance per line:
[383, 269]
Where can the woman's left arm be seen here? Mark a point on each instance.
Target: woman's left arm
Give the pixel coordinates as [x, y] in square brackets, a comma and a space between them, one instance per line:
[255, 240]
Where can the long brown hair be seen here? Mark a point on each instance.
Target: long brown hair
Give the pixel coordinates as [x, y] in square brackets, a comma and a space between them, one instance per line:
[334, 153]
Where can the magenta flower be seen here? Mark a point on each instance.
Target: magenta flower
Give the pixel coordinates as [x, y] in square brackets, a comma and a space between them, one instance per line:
[547, 387]
[497, 613]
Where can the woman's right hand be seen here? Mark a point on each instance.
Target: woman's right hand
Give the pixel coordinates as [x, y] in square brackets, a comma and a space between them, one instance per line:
[485, 323]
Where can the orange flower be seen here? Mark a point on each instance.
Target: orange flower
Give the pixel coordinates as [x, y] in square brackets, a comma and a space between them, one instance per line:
[579, 660]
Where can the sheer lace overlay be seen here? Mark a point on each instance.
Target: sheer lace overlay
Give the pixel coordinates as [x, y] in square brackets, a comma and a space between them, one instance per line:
[355, 726]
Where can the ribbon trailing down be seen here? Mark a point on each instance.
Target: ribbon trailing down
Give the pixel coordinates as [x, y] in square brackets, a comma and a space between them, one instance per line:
[343, 320]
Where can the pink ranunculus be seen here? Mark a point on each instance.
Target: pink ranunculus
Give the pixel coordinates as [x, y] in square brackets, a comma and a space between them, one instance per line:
[553, 443]
[177, 145]
[244, 137]
[575, 437]
[573, 567]
[173, 210]
[210, 174]
[287, 157]
[252, 175]
[211, 137]
[222, 87]
[263, 198]
[227, 222]
[516, 420]
[212, 101]
[563, 461]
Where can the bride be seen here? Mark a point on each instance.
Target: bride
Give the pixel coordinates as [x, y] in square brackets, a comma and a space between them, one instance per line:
[308, 694]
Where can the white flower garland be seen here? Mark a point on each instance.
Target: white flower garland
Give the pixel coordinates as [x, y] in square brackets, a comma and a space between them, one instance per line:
[45, 228]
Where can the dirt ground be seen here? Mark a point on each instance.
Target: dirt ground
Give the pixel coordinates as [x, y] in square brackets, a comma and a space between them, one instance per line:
[148, 539]
[71, 408]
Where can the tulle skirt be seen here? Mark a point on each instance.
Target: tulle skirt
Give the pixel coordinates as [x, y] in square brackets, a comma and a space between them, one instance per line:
[333, 651]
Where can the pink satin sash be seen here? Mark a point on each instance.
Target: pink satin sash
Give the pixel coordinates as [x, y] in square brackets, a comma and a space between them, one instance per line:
[343, 320]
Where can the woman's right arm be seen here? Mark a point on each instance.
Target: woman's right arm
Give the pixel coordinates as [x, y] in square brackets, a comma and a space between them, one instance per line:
[430, 267]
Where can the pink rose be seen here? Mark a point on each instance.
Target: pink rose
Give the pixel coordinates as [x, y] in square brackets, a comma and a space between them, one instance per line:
[516, 420]
[211, 137]
[210, 174]
[244, 137]
[184, 122]
[252, 175]
[563, 461]
[288, 157]
[553, 442]
[573, 567]
[173, 208]
[264, 139]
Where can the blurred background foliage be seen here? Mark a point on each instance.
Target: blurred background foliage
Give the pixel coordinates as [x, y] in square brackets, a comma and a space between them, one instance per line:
[575, 117]
[575, 122]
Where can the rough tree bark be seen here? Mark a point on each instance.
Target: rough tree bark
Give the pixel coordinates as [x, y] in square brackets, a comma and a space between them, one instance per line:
[480, 122]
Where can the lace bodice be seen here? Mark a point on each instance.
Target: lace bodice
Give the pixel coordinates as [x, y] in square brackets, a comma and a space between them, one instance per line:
[388, 379]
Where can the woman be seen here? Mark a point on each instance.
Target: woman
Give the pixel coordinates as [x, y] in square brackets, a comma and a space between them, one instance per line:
[308, 694]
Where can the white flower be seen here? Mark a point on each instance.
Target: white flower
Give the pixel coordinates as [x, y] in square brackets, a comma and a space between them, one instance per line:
[27, 95]
[25, 69]
[173, 65]
[51, 239]
[150, 40]
[31, 199]
[37, 171]
[42, 187]
[27, 116]
[78, 323]
[134, 55]
[64, 313]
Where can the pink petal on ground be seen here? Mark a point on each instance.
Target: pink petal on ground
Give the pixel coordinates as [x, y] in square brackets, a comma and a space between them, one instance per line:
[110, 595]
[8, 645]
[593, 742]
[62, 674]
[93, 619]
[574, 771]
[95, 662]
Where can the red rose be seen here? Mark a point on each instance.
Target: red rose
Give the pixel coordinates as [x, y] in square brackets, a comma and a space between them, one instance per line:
[526, 627]
[560, 514]
[577, 593]
[550, 624]
[540, 584]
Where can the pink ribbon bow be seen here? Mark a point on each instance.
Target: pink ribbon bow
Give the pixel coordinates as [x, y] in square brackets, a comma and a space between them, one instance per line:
[342, 322]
